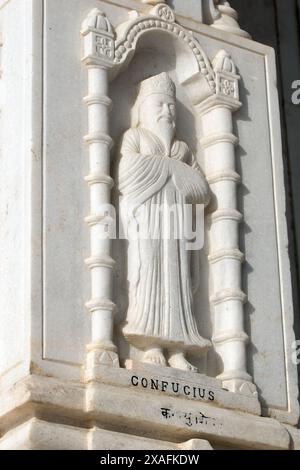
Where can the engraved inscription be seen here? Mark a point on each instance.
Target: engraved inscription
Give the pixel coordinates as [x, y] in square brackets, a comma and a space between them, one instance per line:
[190, 419]
[174, 388]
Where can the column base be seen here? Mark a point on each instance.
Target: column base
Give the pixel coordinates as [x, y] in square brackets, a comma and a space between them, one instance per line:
[100, 355]
[229, 22]
[238, 382]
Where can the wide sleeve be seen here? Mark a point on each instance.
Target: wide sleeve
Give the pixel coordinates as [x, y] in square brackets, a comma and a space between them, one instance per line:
[190, 180]
[207, 192]
[139, 176]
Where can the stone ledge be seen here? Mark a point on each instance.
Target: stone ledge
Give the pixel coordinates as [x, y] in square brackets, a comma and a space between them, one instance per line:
[187, 385]
[134, 411]
[36, 434]
[295, 436]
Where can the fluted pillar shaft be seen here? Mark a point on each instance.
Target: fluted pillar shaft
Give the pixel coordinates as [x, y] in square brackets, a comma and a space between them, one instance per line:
[225, 258]
[215, 116]
[98, 42]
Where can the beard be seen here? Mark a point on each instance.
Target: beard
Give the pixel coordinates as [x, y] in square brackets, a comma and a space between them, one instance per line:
[165, 130]
[165, 127]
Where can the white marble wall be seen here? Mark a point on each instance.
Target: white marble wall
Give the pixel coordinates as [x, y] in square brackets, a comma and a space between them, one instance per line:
[15, 158]
[44, 282]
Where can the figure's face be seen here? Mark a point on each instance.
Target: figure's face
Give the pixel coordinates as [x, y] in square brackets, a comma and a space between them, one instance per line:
[158, 110]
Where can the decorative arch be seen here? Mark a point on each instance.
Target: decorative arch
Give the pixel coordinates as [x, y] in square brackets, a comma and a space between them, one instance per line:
[126, 45]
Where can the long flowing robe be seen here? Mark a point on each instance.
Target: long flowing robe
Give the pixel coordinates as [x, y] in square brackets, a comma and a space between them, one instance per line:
[160, 310]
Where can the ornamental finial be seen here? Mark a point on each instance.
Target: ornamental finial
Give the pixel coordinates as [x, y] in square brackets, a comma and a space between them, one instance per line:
[223, 63]
[96, 19]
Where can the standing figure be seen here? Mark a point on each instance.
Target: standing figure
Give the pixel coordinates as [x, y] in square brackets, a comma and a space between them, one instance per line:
[157, 172]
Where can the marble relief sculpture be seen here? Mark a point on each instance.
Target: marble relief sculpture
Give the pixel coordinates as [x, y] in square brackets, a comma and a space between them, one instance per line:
[157, 170]
[154, 167]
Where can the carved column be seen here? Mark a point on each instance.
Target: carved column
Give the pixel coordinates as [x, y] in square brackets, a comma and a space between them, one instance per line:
[98, 40]
[227, 299]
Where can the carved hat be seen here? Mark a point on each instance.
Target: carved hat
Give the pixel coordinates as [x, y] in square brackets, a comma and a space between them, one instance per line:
[161, 83]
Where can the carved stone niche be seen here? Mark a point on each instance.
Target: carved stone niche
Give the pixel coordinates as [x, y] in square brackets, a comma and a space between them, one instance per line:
[151, 312]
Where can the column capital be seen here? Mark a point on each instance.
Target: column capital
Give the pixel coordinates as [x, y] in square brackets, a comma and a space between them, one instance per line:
[216, 101]
[226, 93]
